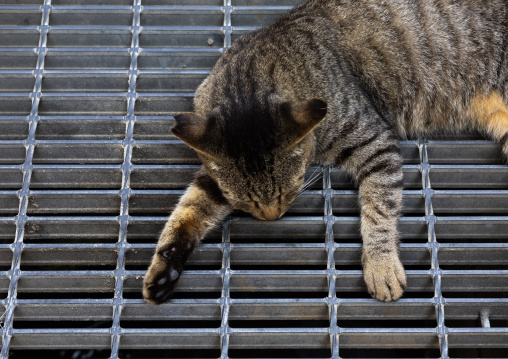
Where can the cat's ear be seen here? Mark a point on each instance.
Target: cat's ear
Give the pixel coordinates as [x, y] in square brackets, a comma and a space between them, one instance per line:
[195, 130]
[303, 117]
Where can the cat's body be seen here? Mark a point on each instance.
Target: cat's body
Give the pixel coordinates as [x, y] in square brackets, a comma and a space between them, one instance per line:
[336, 82]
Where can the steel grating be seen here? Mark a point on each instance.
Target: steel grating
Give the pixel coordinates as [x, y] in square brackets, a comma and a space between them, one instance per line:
[89, 172]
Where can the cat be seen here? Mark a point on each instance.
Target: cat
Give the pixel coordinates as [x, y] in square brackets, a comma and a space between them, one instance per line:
[335, 82]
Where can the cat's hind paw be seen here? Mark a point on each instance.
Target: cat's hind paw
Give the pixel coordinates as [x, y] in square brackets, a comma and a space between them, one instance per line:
[161, 277]
[384, 276]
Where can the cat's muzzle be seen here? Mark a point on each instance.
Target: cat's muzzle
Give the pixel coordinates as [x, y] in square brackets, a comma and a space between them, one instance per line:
[268, 213]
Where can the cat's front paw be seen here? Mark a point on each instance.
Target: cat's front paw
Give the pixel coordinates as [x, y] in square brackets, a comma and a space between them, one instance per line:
[161, 277]
[384, 276]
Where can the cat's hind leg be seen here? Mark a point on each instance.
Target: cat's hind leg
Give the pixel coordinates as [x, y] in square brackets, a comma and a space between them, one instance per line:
[490, 114]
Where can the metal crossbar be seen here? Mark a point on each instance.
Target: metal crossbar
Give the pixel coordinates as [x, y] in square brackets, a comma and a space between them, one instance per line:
[89, 172]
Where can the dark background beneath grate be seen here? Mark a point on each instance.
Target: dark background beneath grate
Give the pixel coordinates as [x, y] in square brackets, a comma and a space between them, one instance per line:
[89, 172]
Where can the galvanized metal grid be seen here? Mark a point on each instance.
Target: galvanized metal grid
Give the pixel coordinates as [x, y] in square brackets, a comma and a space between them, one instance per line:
[89, 171]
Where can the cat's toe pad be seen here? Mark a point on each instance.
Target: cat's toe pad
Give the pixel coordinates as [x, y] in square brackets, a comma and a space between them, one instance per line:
[176, 251]
[161, 277]
[166, 253]
[159, 285]
[385, 277]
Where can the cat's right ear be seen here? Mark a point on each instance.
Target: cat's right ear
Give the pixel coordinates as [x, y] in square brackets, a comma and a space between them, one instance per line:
[302, 117]
[195, 130]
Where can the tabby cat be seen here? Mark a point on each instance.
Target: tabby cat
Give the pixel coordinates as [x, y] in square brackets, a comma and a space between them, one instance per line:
[335, 82]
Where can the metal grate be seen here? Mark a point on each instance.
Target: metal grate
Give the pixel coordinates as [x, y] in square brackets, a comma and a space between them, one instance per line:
[89, 172]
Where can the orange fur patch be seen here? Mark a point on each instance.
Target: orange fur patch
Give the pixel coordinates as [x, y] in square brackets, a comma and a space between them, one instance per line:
[490, 113]
[187, 216]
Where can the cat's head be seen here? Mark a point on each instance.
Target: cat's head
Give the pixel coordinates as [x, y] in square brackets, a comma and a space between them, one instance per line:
[258, 155]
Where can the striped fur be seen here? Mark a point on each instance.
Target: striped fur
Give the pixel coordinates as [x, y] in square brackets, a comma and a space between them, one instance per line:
[337, 82]
[199, 209]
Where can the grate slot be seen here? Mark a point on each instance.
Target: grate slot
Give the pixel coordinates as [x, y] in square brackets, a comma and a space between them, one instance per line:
[16, 60]
[200, 59]
[82, 153]
[477, 202]
[80, 129]
[72, 258]
[14, 104]
[182, 16]
[74, 203]
[93, 2]
[16, 82]
[13, 129]
[94, 17]
[93, 38]
[486, 228]
[9, 204]
[464, 152]
[19, 38]
[468, 177]
[89, 82]
[64, 59]
[265, 2]
[60, 338]
[15, 17]
[12, 153]
[68, 104]
[60, 177]
[157, 38]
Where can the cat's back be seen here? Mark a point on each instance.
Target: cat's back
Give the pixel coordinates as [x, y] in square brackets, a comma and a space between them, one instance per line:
[420, 61]
[423, 61]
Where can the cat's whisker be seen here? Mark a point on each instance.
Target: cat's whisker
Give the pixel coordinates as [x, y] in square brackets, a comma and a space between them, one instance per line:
[312, 179]
[234, 204]
[307, 185]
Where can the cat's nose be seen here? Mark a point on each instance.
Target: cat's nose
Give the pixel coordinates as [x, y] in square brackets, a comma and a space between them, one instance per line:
[270, 213]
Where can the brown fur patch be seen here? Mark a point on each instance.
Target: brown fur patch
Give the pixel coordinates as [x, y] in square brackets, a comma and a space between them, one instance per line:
[490, 113]
[187, 219]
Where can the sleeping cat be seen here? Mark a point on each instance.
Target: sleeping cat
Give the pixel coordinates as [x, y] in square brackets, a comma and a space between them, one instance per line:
[335, 82]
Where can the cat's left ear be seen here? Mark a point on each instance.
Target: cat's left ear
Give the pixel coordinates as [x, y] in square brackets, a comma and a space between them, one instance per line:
[302, 117]
[195, 130]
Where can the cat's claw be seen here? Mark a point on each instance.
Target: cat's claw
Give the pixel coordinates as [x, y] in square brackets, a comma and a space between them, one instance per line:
[384, 276]
[161, 277]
